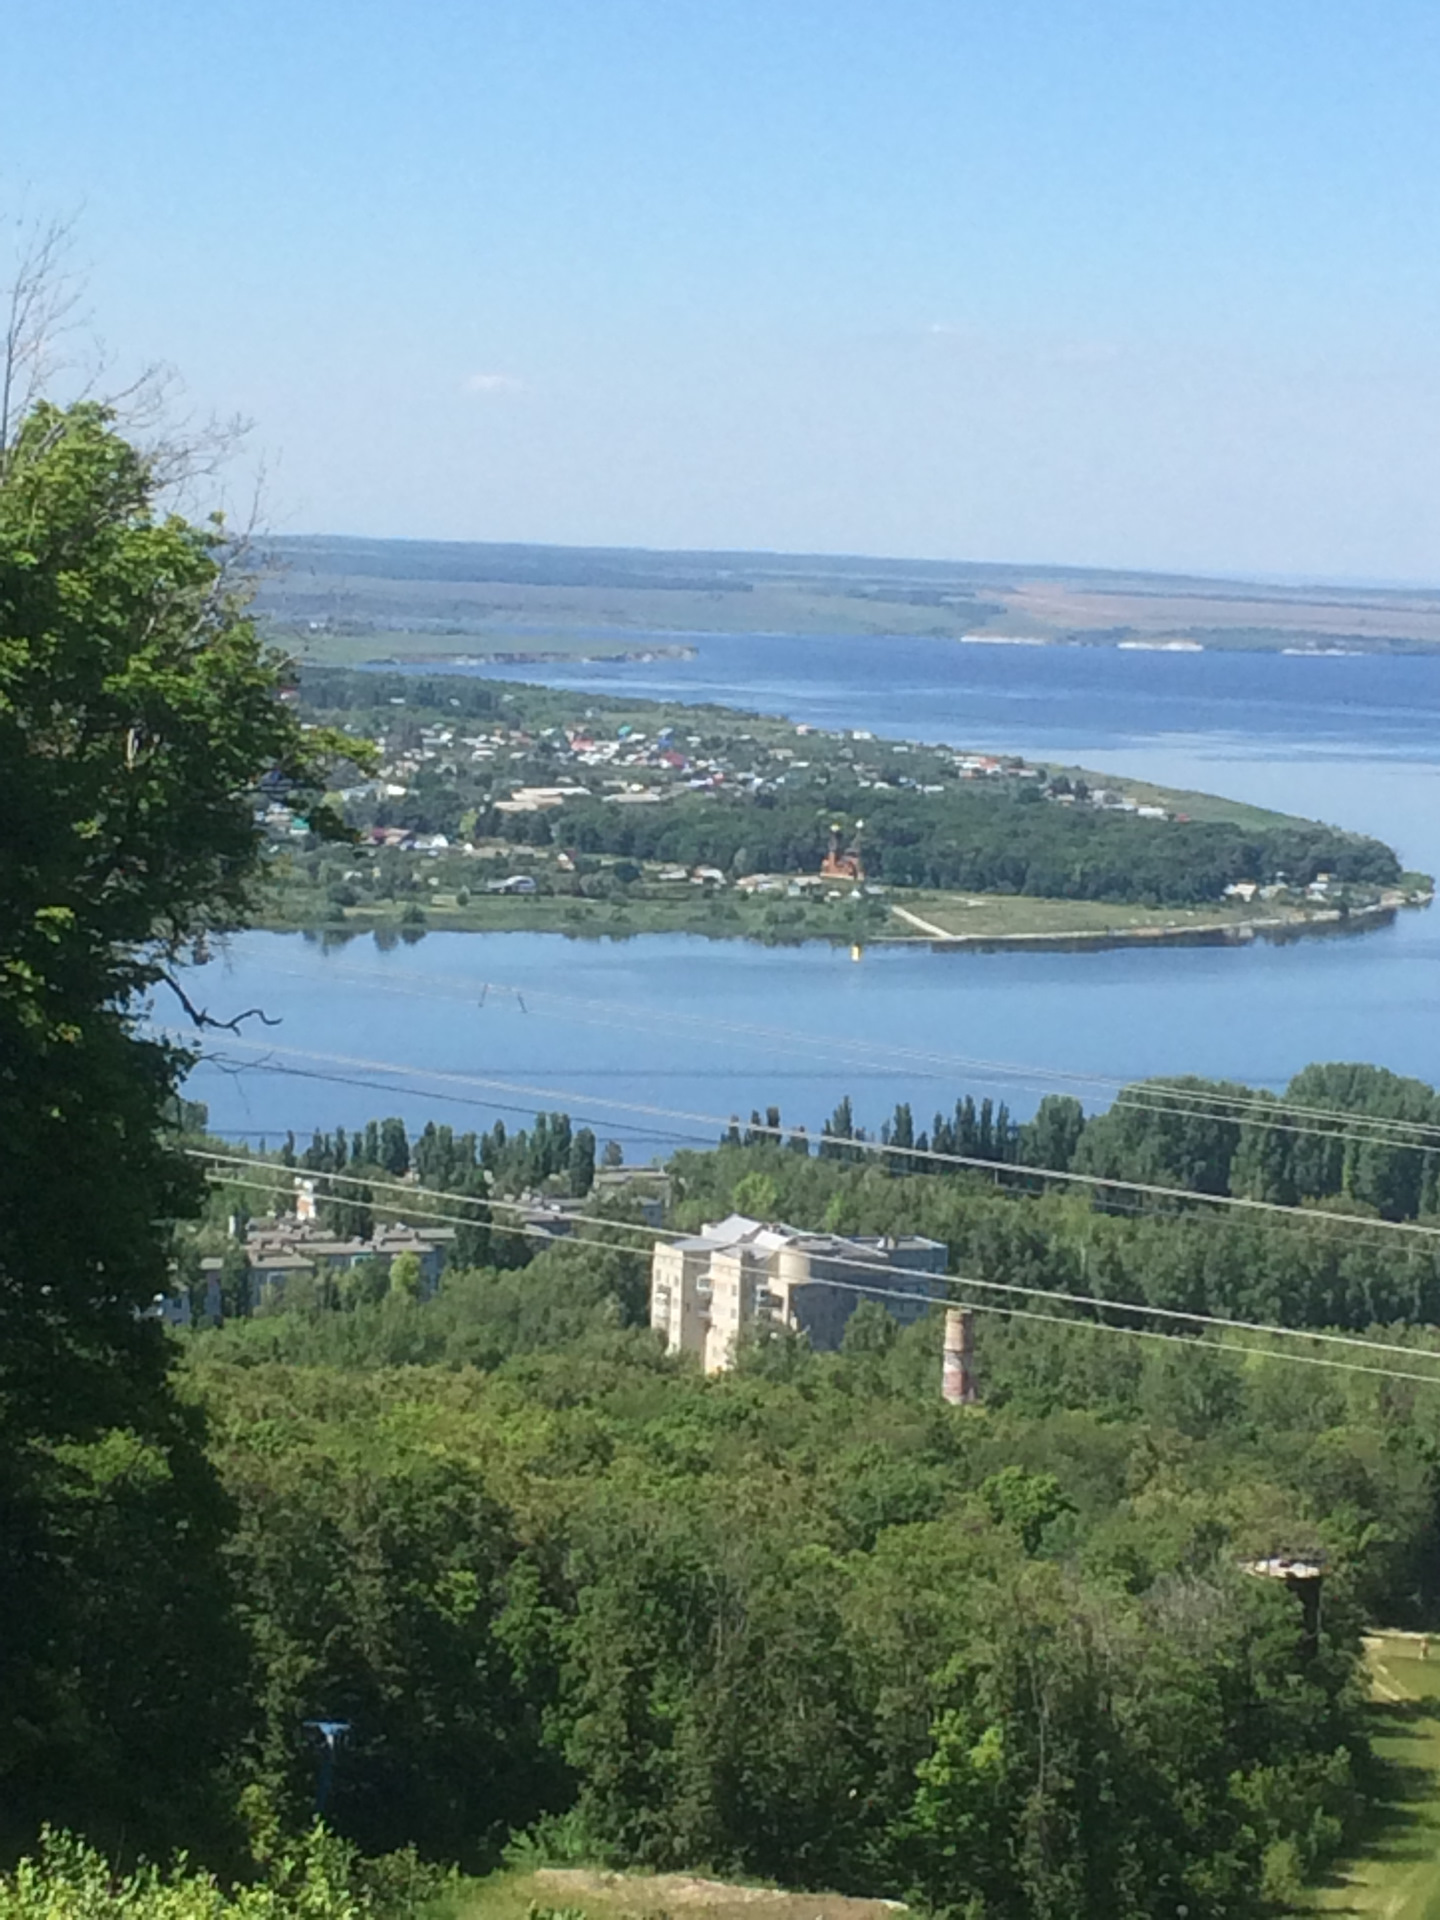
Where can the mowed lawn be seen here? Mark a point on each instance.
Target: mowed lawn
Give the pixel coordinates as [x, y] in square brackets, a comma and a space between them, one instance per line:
[1397, 1877]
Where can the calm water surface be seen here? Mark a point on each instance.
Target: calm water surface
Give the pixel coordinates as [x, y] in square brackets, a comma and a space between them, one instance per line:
[468, 1027]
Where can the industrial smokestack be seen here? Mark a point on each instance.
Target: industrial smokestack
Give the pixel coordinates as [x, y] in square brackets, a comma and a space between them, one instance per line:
[957, 1377]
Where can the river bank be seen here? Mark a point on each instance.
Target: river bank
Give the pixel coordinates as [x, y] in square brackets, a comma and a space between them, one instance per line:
[993, 922]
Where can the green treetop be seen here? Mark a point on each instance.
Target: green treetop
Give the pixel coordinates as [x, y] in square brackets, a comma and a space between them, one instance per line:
[140, 721]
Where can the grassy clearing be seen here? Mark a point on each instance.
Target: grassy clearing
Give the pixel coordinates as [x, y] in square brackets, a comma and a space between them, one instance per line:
[1176, 800]
[1397, 1877]
[639, 1896]
[901, 915]
[481, 617]
[1008, 916]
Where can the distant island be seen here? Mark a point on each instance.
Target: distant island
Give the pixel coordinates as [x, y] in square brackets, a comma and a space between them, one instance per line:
[337, 601]
[576, 655]
[498, 806]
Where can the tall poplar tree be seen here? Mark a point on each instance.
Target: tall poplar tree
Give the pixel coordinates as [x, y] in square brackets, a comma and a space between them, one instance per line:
[141, 720]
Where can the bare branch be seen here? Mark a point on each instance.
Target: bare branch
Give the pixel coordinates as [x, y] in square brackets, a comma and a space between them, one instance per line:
[41, 290]
[39, 306]
[210, 1021]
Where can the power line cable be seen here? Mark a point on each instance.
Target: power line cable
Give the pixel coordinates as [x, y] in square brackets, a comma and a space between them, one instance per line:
[1275, 1110]
[1189, 1345]
[1009, 1175]
[664, 1235]
[1089, 1181]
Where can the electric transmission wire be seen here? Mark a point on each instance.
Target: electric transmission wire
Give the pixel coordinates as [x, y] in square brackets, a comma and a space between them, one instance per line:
[849, 1145]
[659, 1236]
[1189, 1345]
[1273, 1110]
[1009, 1175]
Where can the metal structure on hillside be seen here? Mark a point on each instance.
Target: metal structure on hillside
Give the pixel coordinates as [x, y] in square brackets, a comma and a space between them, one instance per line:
[1304, 1576]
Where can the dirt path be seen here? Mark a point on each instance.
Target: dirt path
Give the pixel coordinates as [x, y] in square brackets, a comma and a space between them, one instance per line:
[925, 926]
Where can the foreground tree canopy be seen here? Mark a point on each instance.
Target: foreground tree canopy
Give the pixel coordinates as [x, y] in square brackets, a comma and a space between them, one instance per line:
[139, 716]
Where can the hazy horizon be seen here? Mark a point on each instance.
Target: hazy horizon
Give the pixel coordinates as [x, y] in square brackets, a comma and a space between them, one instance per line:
[1354, 584]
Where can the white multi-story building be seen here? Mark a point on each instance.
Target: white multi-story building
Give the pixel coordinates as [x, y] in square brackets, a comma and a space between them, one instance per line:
[709, 1290]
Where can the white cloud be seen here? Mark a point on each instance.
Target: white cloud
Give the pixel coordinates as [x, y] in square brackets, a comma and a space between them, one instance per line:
[490, 383]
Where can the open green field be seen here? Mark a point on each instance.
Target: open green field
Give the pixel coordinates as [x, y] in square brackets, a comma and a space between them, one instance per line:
[1397, 1877]
[1176, 800]
[1017, 916]
[457, 597]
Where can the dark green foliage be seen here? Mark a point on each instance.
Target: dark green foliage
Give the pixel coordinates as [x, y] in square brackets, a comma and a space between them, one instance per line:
[1052, 1137]
[1357, 1136]
[976, 839]
[1027, 1503]
[1179, 1133]
[582, 1163]
[1392, 1165]
[125, 1674]
[394, 1148]
[381, 1591]
[139, 725]
[804, 1622]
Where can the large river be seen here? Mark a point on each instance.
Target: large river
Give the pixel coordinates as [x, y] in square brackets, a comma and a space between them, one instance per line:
[654, 1040]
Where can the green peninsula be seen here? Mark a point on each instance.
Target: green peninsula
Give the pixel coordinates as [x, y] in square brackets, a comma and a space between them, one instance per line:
[497, 806]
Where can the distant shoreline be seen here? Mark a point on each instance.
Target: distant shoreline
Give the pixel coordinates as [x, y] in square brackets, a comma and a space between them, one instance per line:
[341, 598]
[1273, 929]
[1277, 930]
[593, 652]
[533, 656]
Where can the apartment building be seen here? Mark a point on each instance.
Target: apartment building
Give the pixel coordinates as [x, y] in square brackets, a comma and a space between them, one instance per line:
[708, 1290]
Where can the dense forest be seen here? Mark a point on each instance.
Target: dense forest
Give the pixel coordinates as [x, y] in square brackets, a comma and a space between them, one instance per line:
[803, 1621]
[1340, 1133]
[726, 1571]
[1012, 842]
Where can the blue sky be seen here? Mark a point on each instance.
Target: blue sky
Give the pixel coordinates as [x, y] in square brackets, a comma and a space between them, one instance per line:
[1134, 282]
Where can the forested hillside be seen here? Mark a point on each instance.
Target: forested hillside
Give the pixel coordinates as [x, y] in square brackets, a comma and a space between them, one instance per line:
[974, 1612]
[804, 1622]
